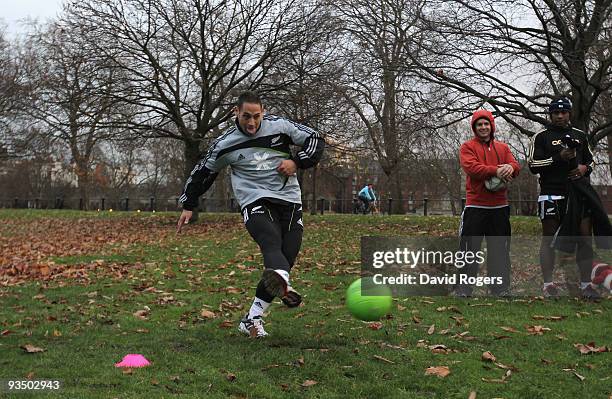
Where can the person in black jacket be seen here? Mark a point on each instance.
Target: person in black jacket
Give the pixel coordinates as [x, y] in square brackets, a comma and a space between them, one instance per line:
[555, 163]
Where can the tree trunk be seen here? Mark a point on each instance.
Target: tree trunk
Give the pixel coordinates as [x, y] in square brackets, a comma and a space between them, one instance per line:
[192, 156]
[609, 138]
[453, 205]
[395, 187]
[83, 183]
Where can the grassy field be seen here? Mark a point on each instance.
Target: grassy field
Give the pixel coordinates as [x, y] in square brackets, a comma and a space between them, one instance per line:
[89, 288]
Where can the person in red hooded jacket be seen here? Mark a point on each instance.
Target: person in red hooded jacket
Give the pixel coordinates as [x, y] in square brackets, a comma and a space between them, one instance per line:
[489, 166]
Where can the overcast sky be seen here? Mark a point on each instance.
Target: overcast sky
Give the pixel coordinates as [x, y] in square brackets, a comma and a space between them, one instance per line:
[14, 10]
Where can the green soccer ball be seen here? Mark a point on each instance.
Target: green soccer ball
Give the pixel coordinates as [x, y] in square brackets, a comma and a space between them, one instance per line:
[371, 304]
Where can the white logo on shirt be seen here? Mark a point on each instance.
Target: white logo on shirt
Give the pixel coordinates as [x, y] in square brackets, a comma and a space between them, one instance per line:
[261, 160]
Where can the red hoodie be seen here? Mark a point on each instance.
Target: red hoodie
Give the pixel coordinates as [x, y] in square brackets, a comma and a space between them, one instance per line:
[479, 160]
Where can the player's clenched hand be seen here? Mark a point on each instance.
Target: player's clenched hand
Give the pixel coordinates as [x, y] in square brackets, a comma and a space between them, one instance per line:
[184, 219]
[567, 153]
[287, 167]
[505, 172]
[578, 172]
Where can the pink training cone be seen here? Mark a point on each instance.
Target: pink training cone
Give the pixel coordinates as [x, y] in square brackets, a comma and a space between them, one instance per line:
[133, 360]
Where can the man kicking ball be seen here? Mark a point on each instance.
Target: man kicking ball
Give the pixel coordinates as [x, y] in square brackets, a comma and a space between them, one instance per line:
[265, 184]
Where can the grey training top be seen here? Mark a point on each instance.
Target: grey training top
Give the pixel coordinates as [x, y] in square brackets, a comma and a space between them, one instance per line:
[254, 159]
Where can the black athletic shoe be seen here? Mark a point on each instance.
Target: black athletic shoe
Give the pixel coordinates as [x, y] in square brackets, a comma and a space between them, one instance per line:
[462, 292]
[292, 299]
[274, 283]
[502, 294]
[551, 291]
[590, 293]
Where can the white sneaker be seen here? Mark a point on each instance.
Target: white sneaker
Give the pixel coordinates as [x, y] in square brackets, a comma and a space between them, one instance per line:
[252, 327]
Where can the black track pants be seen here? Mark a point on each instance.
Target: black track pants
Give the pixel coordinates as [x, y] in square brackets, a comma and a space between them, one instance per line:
[494, 224]
[277, 229]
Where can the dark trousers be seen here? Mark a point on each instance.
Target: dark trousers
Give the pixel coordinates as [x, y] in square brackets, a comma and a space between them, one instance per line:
[277, 229]
[366, 204]
[494, 225]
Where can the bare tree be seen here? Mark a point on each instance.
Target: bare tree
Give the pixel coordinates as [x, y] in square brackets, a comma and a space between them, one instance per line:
[439, 169]
[377, 83]
[186, 59]
[516, 55]
[302, 89]
[13, 61]
[70, 100]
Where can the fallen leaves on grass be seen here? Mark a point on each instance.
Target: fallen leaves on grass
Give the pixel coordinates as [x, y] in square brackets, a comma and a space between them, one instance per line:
[207, 314]
[494, 380]
[226, 324]
[450, 308]
[505, 367]
[537, 330]
[27, 251]
[464, 336]
[382, 359]
[591, 348]
[232, 290]
[31, 348]
[488, 357]
[503, 380]
[431, 329]
[230, 377]
[309, 383]
[439, 371]
[551, 318]
[142, 314]
[375, 326]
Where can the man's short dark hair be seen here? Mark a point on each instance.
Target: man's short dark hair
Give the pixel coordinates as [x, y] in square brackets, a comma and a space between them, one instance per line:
[249, 97]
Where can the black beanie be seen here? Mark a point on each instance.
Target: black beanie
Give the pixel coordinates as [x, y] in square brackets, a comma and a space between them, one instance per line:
[561, 104]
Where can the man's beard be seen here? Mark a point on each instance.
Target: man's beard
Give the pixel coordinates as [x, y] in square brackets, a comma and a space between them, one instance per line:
[560, 123]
